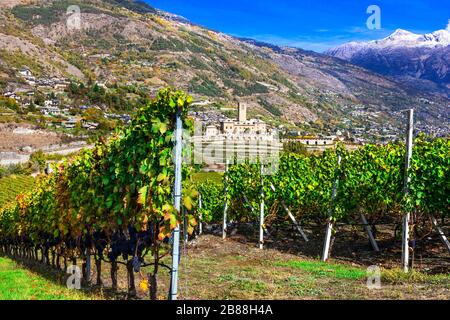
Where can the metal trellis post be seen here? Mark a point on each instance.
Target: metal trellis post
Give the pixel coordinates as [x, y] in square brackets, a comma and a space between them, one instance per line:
[326, 245]
[407, 216]
[225, 207]
[261, 212]
[177, 204]
[200, 205]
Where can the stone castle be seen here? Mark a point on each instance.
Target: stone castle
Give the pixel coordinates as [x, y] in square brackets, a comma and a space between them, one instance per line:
[239, 127]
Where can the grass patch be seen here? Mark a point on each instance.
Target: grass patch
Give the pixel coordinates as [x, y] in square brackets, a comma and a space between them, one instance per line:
[200, 177]
[171, 44]
[321, 269]
[204, 86]
[17, 59]
[240, 283]
[398, 276]
[303, 286]
[20, 284]
[136, 6]
[270, 107]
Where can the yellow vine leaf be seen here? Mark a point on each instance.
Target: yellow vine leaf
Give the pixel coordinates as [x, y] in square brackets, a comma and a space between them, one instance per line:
[144, 285]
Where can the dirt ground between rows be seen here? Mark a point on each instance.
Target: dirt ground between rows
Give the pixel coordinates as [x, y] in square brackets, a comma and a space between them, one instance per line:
[351, 244]
[234, 268]
[237, 269]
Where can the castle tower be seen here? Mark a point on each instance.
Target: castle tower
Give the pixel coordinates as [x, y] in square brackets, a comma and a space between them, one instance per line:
[242, 112]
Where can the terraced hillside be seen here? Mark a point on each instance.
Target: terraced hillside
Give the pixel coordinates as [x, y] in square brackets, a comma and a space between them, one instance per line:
[14, 185]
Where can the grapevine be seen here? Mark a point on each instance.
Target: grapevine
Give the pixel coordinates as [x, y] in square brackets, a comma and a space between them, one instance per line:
[114, 200]
[371, 181]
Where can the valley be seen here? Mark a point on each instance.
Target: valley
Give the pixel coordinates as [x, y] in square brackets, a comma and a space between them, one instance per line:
[123, 54]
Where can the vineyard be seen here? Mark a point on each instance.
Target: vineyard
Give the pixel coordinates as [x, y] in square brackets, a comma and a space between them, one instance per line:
[114, 204]
[13, 185]
[369, 190]
[113, 201]
[370, 181]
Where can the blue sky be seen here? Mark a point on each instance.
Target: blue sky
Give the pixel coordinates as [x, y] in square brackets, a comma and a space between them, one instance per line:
[310, 24]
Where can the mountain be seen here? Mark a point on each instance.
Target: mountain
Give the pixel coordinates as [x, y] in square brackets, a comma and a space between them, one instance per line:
[134, 5]
[419, 61]
[130, 43]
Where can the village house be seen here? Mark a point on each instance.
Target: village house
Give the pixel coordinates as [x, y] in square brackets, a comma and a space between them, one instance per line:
[51, 103]
[123, 117]
[25, 72]
[50, 110]
[89, 125]
[70, 123]
[12, 95]
[321, 141]
[65, 110]
[31, 81]
[211, 131]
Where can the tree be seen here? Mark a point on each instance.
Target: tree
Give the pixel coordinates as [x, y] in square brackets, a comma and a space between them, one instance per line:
[32, 107]
[93, 114]
[39, 98]
[73, 88]
[9, 103]
[295, 147]
[52, 96]
[37, 159]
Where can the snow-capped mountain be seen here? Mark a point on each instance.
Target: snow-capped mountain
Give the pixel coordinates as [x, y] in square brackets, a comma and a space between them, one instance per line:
[399, 39]
[403, 38]
[407, 56]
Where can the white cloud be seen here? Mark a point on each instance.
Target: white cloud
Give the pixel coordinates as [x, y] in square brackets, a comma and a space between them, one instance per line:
[448, 25]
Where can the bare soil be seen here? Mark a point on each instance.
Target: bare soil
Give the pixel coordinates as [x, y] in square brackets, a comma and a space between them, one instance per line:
[14, 137]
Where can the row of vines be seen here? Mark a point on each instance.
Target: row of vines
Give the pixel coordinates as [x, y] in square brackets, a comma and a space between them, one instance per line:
[113, 202]
[370, 181]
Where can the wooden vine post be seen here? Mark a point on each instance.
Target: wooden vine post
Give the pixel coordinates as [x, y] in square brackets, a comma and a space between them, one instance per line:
[177, 204]
[329, 230]
[407, 216]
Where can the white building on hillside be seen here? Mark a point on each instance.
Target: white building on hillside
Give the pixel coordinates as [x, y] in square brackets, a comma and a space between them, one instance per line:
[242, 125]
[50, 110]
[25, 72]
